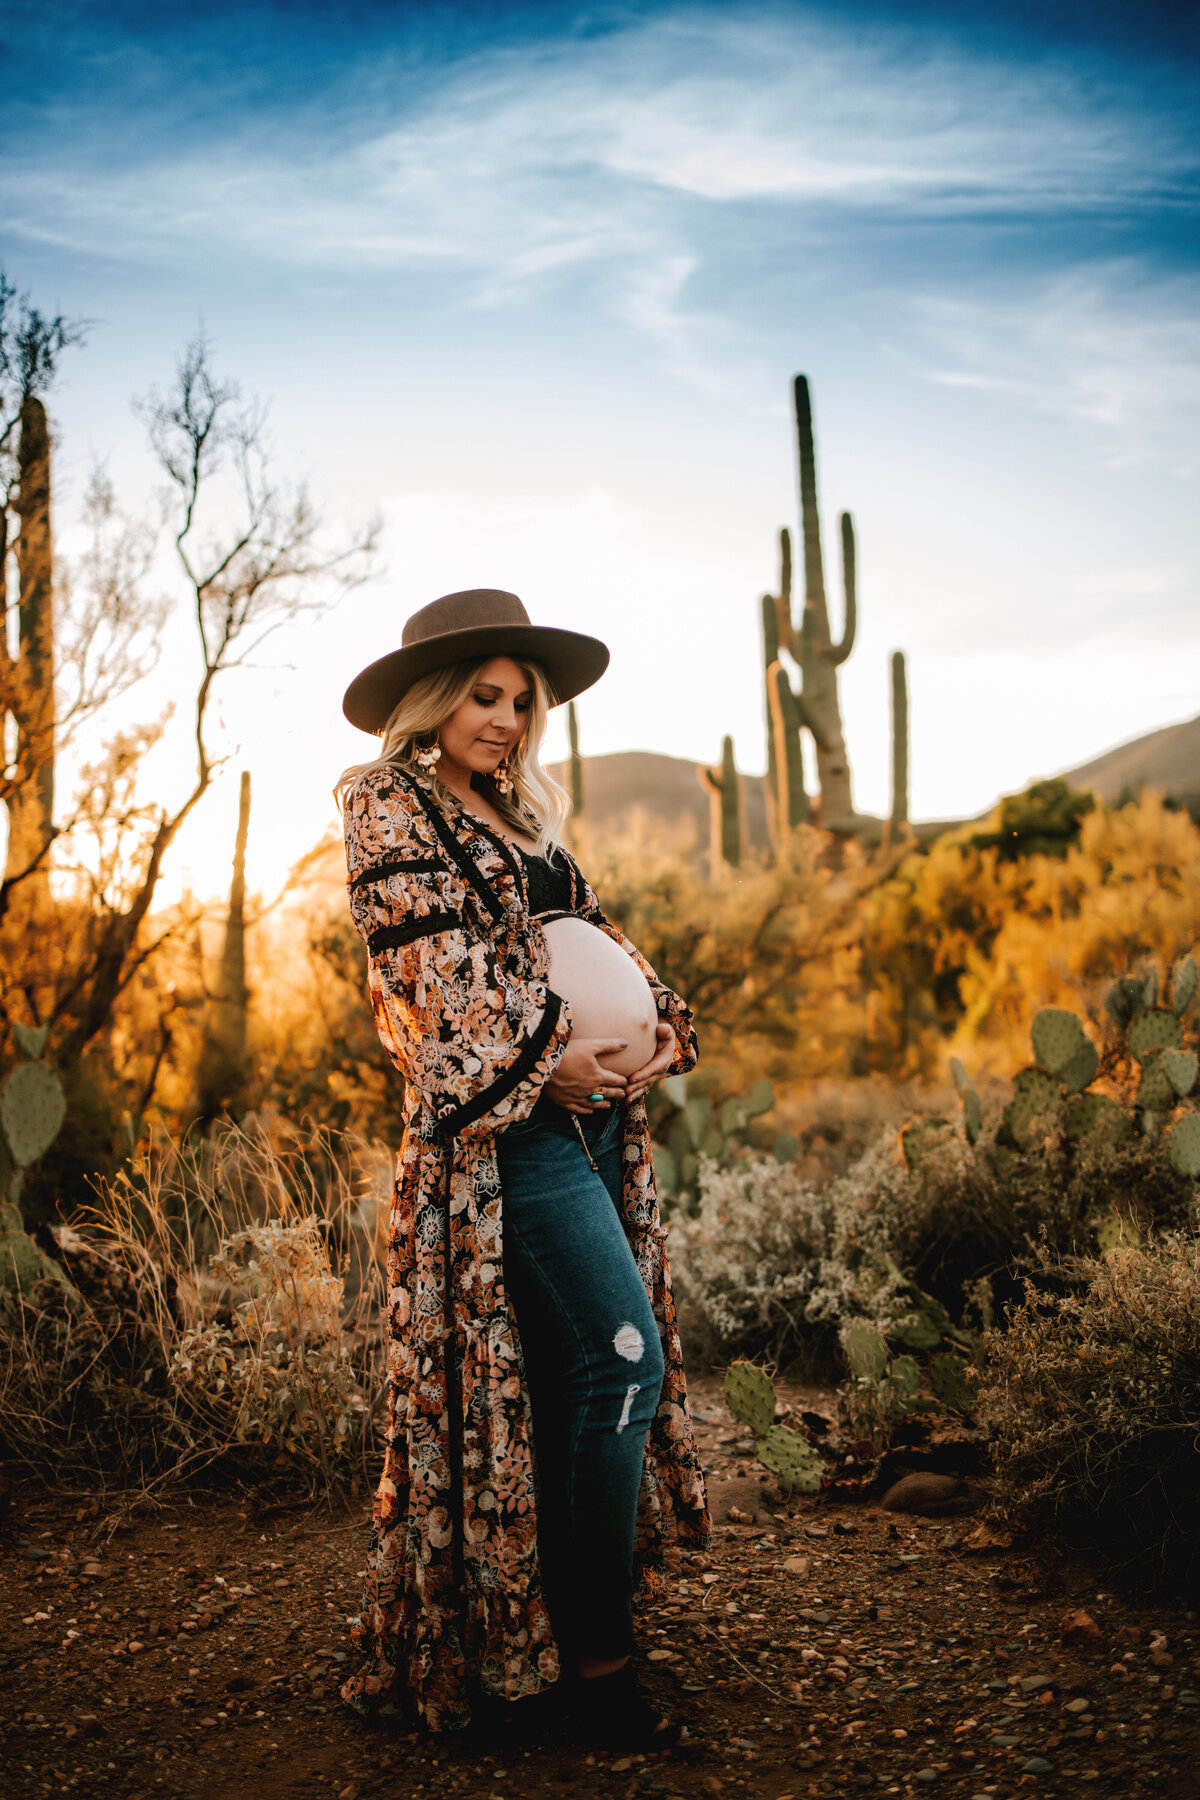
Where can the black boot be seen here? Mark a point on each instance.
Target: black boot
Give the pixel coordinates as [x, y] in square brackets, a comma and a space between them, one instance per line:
[610, 1712]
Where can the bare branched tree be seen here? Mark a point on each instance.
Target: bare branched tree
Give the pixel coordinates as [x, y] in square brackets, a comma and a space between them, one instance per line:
[254, 556]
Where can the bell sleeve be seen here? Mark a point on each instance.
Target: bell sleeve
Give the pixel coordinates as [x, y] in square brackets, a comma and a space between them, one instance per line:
[475, 1043]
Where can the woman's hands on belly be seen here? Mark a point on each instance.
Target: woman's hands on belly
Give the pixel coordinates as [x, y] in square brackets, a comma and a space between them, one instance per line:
[656, 1068]
[577, 1074]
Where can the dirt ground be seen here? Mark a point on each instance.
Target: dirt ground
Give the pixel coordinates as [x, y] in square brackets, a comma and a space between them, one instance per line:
[827, 1649]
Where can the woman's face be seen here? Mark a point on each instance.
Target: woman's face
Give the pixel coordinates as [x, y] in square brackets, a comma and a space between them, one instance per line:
[479, 734]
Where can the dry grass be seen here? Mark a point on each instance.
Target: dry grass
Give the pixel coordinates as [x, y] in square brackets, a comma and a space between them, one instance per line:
[221, 1317]
[1093, 1399]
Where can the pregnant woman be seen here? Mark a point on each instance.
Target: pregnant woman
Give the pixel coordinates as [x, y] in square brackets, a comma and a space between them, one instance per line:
[538, 1450]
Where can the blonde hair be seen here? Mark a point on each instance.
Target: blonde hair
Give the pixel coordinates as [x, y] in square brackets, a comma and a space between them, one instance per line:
[537, 806]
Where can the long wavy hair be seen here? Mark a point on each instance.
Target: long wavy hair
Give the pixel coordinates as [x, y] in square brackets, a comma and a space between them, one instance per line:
[537, 806]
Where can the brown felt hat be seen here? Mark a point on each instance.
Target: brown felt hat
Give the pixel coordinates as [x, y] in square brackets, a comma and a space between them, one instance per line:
[458, 627]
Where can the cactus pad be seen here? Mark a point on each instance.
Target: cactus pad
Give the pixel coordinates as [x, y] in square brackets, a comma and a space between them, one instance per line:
[732, 1116]
[1180, 1068]
[1095, 1119]
[1150, 988]
[1080, 1072]
[712, 1143]
[1183, 1146]
[31, 1039]
[696, 1115]
[785, 1148]
[32, 1108]
[666, 1169]
[1114, 1230]
[750, 1397]
[865, 1351]
[1057, 1038]
[958, 1074]
[1036, 1098]
[1155, 1028]
[972, 1115]
[1184, 979]
[1155, 1091]
[792, 1460]
[920, 1137]
[953, 1383]
[761, 1098]
[906, 1376]
[674, 1088]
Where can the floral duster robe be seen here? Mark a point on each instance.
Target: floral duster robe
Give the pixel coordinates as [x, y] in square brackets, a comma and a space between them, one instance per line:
[458, 981]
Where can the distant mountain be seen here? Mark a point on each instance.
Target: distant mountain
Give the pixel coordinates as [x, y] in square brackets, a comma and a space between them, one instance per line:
[665, 787]
[1168, 759]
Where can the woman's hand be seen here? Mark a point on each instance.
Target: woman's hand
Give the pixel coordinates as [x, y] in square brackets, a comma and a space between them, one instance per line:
[656, 1068]
[577, 1074]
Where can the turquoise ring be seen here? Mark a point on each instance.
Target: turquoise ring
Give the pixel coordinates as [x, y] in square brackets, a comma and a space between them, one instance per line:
[595, 1096]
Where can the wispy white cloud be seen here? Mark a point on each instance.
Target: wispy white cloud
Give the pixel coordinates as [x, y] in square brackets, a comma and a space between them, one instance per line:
[517, 163]
[1105, 346]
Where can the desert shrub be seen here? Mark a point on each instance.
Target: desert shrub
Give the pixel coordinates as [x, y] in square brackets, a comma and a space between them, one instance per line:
[972, 1222]
[771, 1265]
[218, 1316]
[961, 946]
[1094, 1400]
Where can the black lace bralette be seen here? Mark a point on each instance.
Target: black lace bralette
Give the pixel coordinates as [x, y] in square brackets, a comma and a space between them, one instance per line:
[549, 883]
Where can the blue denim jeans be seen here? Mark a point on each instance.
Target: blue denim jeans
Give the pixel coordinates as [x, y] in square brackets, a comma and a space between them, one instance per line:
[593, 1362]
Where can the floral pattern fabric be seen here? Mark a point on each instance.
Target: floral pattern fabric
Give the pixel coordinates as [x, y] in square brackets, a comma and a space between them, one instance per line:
[458, 980]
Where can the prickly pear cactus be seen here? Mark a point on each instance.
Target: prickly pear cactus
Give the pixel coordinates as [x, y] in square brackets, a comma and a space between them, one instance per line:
[761, 1098]
[972, 1115]
[792, 1460]
[926, 1322]
[32, 1109]
[952, 1382]
[1183, 1146]
[1180, 1068]
[1155, 1092]
[1035, 1101]
[1154, 1028]
[750, 1397]
[31, 1039]
[1081, 1071]
[1115, 1230]
[906, 1376]
[921, 1137]
[865, 1351]
[1184, 979]
[958, 1074]
[1094, 1119]
[1057, 1038]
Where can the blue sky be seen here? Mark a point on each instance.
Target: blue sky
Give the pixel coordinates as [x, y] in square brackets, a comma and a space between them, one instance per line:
[534, 283]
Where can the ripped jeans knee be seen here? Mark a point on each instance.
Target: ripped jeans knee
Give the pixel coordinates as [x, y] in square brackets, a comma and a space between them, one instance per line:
[647, 1359]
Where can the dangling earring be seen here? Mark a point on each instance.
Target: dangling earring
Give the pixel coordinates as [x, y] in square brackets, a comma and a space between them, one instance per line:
[428, 755]
[502, 778]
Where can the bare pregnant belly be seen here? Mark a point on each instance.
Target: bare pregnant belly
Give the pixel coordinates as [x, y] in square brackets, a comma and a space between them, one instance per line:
[606, 991]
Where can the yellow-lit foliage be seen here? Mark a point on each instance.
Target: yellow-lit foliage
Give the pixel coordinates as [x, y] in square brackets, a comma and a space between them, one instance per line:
[767, 955]
[962, 948]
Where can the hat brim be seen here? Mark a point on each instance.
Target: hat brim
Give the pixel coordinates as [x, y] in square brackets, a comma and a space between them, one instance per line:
[571, 659]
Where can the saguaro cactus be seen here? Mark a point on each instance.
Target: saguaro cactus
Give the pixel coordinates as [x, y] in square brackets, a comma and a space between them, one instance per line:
[786, 713]
[726, 808]
[899, 817]
[576, 761]
[223, 1068]
[810, 644]
[31, 680]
